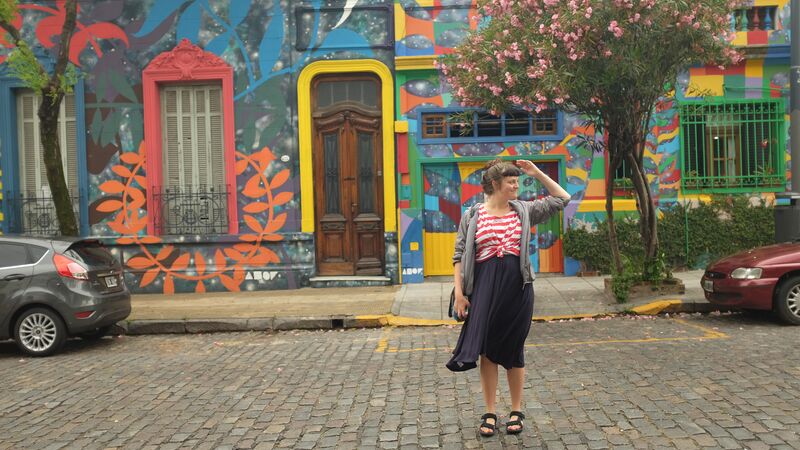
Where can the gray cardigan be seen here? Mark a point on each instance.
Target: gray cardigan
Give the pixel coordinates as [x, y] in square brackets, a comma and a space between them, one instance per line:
[530, 213]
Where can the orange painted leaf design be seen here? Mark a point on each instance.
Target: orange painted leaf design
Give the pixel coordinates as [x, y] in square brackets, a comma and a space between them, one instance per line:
[238, 275]
[256, 207]
[119, 227]
[248, 237]
[149, 276]
[200, 263]
[109, 205]
[259, 259]
[131, 158]
[279, 178]
[254, 188]
[146, 239]
[164, 252]
[125, 241]
[276, 223]
[219, 260]
[272, 237]
[233, 254]
[140, 262]
[271, 256]
[244, 248]
[137, 198]
[229, 283]
[281, 198]
[264, 157]
[253, 223]
[112, 187]
[141, 180]
[181, 262]
[169, 286]
[200, 288]
[122, 171]
[241, 166]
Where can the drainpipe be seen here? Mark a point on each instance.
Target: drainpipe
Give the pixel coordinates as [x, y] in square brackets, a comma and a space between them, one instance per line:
[787, 209]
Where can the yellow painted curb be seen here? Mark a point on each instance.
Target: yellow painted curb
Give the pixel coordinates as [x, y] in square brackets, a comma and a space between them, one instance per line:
[655, 307]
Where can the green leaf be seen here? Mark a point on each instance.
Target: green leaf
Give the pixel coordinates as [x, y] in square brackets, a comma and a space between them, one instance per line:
[110, 127]
[119, 83]
[97, 125]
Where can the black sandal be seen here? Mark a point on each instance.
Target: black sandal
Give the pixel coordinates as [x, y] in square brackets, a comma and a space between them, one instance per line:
[486, 424]
[517, 422]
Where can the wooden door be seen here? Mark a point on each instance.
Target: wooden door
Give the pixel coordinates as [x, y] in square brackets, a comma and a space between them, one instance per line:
[348, 190]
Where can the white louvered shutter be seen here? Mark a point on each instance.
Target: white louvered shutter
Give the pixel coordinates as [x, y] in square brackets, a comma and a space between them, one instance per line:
[193, 156]
[33, 175]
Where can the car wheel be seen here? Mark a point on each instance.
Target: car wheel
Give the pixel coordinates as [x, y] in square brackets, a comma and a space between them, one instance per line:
[96, 334]
[40, 332]
[787, 305]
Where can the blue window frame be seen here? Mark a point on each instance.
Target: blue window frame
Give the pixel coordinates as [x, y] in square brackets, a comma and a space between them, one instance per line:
[447, 125]
[9, 153]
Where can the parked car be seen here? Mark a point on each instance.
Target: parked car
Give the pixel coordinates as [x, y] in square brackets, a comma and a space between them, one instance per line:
[765, 278]
[54, 288]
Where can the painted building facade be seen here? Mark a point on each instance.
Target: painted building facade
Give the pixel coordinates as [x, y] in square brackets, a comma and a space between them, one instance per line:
[243, 145]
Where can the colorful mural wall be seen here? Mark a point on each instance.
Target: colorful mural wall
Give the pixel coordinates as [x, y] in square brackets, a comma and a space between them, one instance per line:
[266, 45]
[264, 56]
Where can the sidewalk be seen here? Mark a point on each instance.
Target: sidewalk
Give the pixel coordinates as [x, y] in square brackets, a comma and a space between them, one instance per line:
[556, 297]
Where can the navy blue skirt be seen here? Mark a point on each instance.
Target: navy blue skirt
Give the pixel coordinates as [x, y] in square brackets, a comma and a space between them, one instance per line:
[500, 312]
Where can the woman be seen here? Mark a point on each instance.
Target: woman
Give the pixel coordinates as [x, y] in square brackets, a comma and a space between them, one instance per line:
[494, 282]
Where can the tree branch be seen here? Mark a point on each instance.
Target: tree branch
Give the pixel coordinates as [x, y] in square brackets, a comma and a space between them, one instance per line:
[12, 30]
[67, 31]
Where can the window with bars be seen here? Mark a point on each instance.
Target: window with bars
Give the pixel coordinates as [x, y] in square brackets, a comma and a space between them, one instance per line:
[34, 210]
[194, 196]
[733, 145]
[470, 126]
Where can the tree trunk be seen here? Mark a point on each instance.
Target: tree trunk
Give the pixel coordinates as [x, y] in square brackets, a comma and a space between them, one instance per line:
[48, 123]
[52, 95]
[613, 242]
[648, 213]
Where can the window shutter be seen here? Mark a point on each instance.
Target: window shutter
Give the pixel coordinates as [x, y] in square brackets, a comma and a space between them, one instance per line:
[29, 157]
[200, 119]
[171, 146]
[69, 145]
[216, 149]
[187, 144]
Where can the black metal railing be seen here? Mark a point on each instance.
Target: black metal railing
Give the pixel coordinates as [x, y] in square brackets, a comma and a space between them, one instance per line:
[199, 209]
[34, 213]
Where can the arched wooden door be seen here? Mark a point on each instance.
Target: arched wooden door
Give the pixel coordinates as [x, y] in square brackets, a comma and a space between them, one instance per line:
[348, 178]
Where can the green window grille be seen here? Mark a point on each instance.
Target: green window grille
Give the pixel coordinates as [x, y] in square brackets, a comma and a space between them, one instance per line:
[733, 145]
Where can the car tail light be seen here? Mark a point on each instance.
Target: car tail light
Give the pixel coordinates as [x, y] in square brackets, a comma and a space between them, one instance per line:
[68, 268]
[83, 314]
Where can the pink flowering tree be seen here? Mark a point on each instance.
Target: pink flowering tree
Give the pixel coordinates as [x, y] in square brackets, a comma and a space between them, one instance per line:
[608, 61]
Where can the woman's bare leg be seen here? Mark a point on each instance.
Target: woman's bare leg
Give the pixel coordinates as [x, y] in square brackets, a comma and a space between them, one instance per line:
[516, 381]
[489, 386]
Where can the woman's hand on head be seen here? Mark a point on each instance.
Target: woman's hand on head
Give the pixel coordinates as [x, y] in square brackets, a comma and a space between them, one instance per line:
[528, 167]
[461, 305]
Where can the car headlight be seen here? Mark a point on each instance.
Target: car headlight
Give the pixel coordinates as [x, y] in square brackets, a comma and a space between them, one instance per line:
[746, 273]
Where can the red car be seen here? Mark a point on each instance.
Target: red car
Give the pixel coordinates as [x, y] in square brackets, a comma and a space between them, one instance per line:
[766, 278]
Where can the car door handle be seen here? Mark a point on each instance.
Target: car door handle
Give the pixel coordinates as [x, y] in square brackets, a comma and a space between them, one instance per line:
[14, 277]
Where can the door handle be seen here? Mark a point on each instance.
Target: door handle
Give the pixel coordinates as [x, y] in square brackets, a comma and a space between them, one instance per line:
[14, 277]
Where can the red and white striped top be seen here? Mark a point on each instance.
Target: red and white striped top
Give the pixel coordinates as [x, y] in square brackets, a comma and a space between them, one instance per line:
[497, 236]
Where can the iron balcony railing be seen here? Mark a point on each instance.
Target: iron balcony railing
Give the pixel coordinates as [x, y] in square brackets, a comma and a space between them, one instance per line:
[34, 212]
[194, 209]
[733, 145]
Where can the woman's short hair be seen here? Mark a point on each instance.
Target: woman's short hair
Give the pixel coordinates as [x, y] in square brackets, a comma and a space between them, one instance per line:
[496, 170]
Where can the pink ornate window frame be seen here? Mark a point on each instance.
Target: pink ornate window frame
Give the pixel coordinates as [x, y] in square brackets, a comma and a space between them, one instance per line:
[186, 63]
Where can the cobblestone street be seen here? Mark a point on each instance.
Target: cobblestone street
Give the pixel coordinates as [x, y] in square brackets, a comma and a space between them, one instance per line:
[729, 381]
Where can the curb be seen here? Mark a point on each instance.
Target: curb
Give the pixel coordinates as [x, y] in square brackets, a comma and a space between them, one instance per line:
[190, 326]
